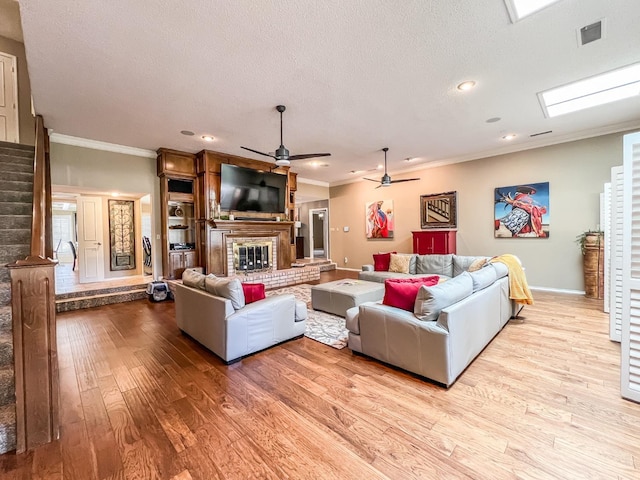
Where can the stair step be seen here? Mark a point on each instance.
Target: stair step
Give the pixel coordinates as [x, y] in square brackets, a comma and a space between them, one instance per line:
[11, 253]
[15, 236]
[7, 428]
[5, 300]
[16, 167]
[77, 303]
[15, 208]
[18, 177]
[15, 222]
[326, 267]
[17, 146]
[5, 319]
[100, 291]
[7, 386]
[17, 197]
[6, 349]
[16, 159]
[17, 186]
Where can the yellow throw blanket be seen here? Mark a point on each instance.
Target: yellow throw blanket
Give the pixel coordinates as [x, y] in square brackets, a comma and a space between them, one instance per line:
[518, 286]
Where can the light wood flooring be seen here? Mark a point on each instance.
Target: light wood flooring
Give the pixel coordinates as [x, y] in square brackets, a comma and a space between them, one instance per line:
[139, 400]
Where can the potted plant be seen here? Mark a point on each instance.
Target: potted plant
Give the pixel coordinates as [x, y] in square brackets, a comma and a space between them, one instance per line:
[591, 245]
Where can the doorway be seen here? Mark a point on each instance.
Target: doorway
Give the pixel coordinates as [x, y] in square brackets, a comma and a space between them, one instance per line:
[8, 99]
[319, 233]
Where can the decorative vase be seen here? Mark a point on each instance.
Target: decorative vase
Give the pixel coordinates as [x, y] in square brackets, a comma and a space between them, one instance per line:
[593, 263]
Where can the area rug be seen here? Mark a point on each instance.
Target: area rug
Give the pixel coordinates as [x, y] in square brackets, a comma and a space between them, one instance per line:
[321, 326]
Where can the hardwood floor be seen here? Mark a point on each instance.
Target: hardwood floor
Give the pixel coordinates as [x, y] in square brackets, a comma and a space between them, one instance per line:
[141, 401]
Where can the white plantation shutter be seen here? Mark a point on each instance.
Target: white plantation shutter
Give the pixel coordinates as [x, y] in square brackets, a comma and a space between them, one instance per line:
[605, 222]
[630, 326]
[615, 302]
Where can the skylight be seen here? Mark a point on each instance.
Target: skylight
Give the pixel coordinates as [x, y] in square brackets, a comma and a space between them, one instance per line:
[604, 88]
[518, 9]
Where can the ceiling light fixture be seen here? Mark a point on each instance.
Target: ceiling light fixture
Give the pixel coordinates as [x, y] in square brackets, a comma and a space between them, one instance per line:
[188, 133]
[468, 85]
[208, 138]
[509, 136]
[518, 9]
[590, 92]
[380, 167]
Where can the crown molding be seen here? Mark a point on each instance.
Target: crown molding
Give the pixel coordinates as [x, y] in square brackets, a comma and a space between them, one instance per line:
[309, 181]
[97, 145]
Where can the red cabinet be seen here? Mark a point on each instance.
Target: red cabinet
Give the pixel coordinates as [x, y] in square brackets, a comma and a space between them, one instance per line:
[437, 241]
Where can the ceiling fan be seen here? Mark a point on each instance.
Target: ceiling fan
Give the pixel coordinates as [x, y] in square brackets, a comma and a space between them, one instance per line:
[385, 181]
[282, 156]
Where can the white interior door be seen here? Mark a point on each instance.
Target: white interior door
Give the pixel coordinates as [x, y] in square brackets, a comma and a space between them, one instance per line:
[8, 99]
[90, 240]
[605, 222]
[617, 220]
[630, 358]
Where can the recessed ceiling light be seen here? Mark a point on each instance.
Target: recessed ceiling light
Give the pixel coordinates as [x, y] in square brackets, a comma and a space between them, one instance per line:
[380, 167]
[115, 194]
[188, 133]
[208, 138]
[316, 164]
[468, 85]
[518, 9]
[493, 119]
[509, 136]
[604, 88]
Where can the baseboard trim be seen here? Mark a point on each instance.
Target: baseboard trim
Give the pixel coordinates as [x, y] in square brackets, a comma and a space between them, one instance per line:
[557, 290]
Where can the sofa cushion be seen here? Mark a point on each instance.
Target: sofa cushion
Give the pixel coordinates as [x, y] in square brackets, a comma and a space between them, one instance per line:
[194, 279]
[399, 263]
[463, 263]
[226, 288]
[380, 277]
[381, 261]
[435, 264]
[431, 300]
[253, 292]
[483, 278]
[401, 292]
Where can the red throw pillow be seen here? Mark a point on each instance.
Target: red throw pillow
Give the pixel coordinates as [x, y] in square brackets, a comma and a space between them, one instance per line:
[402, 292]
[253, 292]
[381, 261]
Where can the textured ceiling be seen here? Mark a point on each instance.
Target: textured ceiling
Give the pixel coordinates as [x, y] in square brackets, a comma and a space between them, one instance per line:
[355, 75]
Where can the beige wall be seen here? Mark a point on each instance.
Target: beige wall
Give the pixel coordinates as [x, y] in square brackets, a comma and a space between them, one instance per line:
[308, 192]
[576, 172]
[91, 170]
[26, 122]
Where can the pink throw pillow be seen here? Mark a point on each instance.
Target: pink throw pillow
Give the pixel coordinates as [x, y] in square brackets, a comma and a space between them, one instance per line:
[381, 261]
[402, 292]
[253, 292]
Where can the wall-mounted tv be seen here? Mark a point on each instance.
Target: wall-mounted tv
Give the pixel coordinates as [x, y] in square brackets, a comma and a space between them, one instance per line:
[247, 190]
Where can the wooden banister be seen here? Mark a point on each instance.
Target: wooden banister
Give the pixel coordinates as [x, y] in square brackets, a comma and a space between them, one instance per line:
[41, 223]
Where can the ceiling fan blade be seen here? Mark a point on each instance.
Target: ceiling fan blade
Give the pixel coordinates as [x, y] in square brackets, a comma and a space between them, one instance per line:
[308, 155]
[371, 179]
[404, 180]
[259, 153]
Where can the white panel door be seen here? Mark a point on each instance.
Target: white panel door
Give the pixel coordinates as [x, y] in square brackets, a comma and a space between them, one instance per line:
[8, 99]
[630, 358]
[90, 239]
[615, 293]
[605, 222]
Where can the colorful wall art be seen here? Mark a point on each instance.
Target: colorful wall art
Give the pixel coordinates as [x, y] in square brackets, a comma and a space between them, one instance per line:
[379, 217]
[522, 211]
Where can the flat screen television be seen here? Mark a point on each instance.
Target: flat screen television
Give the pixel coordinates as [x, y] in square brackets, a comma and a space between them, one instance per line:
[247, 190]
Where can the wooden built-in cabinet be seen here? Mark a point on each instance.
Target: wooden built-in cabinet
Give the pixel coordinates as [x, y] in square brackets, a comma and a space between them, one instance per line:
[435, 241]
[208, 233]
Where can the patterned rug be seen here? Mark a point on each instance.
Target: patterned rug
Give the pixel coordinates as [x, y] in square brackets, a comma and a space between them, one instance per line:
[321, 326]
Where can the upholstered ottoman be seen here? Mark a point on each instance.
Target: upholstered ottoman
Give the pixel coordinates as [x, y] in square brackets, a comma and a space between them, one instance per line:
[339, 296]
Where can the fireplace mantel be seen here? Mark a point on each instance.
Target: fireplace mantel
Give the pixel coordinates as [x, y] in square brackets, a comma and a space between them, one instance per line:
[219, 230]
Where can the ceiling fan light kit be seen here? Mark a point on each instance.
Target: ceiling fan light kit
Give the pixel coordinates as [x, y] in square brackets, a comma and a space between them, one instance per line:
[386, 181]
[281, 155]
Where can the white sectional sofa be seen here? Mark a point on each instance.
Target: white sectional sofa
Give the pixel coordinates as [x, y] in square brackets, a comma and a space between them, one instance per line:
[451, 324]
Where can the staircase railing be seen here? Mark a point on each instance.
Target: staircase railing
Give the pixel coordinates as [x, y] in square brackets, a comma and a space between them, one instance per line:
[34, 316]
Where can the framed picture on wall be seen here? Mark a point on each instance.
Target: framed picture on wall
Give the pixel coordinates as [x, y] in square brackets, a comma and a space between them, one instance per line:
[522, 211]
[379, 216]
[438, 210]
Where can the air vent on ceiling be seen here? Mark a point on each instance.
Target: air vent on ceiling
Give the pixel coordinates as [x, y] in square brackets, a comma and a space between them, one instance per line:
[590, 33]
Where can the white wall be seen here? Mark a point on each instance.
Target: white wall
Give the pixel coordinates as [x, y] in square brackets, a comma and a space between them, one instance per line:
[576, 172]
